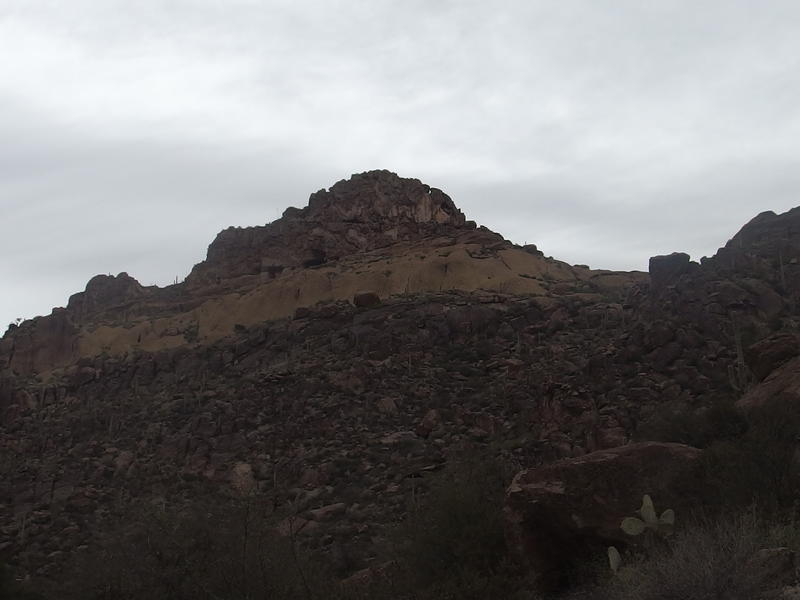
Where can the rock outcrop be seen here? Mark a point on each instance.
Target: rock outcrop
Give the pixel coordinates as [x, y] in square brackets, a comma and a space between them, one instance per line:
[667, 269]
[106, 298]
[371, 210]
[560, 514]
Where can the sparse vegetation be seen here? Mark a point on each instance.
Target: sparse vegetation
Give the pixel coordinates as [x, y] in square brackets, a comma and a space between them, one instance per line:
[760, 465]
[457, 530]
[649, 521]
[707, 560]
[204, 553]
[451, 546]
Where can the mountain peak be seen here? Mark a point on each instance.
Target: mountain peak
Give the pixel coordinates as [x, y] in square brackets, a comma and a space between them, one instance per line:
[368, 211]
[383, 197]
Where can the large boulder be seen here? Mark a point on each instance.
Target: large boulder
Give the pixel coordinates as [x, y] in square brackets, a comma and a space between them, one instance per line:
[768, 354]
[665, 270]
[559, 514]
[781, 385]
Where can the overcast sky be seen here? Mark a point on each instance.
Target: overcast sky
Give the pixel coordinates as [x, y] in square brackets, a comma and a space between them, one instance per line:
[604, 131]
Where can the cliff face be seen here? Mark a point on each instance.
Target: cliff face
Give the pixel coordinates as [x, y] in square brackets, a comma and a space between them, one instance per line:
[105, 298]
[260, 372]
[375, 232]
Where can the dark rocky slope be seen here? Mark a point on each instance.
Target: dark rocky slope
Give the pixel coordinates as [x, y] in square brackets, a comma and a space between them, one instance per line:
[340, 414]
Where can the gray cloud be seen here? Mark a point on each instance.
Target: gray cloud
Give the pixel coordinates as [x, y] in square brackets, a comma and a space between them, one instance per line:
[604, 132]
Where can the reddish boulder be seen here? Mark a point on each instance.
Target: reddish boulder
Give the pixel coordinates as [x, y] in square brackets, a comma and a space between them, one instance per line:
[783, 384]
[561, 513]
[766, 355]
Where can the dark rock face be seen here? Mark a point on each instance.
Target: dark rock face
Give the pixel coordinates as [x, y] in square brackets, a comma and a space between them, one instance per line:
[767, 237]
[559, 514]
[39, 342]
[104, 292]
[368, 211]
[667, 269]
[767, 248]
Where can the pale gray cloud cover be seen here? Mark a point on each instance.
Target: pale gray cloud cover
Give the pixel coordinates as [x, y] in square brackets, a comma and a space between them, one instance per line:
[605, 131]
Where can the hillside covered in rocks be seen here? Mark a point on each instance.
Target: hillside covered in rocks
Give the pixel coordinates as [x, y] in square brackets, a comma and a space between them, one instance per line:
[329, 368]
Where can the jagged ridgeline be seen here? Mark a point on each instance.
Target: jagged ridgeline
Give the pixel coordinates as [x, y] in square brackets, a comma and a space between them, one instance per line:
[334, 371]
[375, 232]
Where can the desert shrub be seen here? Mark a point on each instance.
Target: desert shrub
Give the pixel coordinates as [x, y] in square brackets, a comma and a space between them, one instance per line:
[761, 465]
[452, 546]
[198, 553]
[457, 530]
[708, 560]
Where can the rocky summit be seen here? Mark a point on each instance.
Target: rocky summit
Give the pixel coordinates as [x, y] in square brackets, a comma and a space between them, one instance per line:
[335, 366]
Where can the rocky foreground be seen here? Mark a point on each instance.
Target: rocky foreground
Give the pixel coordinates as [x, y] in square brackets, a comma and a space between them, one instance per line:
[332, 363]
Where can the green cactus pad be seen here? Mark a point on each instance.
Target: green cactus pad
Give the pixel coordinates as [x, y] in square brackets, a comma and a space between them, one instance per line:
[614, 558]
[648, 511]
[633, 526]
[667, 517]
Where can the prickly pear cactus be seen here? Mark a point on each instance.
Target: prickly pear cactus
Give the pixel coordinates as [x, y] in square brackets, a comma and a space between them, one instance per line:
[648, 520]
